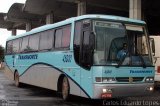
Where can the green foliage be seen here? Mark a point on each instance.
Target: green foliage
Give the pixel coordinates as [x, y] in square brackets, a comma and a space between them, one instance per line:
[1, 53]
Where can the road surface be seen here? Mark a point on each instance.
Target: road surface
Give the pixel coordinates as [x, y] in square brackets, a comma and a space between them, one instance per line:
[28, 95]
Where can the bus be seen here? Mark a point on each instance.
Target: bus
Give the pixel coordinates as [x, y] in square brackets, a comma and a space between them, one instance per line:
[78, 56]
[155, 41]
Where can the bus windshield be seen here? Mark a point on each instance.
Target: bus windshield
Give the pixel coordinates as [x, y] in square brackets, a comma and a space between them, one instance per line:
[120, 44]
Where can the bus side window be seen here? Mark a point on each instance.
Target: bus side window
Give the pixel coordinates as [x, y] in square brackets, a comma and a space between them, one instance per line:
[66, 36]
[16, 46]
[34, 43]
[9, 47]
[62, 37]
[24, 44]
[58, 38]
[77, 36]
[46, 40]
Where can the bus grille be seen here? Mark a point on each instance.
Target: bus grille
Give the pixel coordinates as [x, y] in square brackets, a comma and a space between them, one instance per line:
[126, 79]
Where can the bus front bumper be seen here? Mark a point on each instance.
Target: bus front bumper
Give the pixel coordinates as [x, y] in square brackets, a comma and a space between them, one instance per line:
[104, 91]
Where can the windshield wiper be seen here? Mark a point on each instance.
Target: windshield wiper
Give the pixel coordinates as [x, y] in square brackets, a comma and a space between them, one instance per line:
[121, 61]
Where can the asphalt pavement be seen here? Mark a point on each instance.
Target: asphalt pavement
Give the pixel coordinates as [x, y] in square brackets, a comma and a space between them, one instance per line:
[28, 95]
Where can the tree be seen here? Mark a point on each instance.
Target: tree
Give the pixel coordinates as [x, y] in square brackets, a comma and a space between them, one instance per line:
[1, 53]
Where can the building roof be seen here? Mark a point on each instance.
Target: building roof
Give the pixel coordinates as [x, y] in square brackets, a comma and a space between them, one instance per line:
[3, 23]
[62, 10]
[35, 11]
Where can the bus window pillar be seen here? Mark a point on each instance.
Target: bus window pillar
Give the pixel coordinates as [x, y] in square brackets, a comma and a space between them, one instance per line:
[14, 32]
[49, 18]
[135, 9]
[28, 27]
[81, 8]
[135, 12]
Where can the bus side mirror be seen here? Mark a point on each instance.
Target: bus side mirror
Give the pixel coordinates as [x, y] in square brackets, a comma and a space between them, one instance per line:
[91, 47]
[152, 43]
[92, 41]
[87, 49]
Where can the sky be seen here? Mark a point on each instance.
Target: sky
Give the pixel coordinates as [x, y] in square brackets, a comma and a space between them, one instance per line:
[4, 7]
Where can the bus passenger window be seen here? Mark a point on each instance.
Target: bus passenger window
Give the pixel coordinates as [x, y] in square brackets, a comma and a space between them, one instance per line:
[58, 39]
[46, 41]
[66, 36]
[9, 47]
[34, 42]
[24, 45]
[16, 46]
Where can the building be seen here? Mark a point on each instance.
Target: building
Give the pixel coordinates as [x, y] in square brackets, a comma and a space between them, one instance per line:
[36, 13]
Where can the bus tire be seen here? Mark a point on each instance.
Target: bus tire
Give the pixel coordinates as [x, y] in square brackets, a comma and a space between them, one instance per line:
[65, 88]
[16, 79]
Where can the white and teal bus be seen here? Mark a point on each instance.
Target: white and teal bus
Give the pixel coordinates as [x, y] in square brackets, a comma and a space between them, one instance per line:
[78, 56]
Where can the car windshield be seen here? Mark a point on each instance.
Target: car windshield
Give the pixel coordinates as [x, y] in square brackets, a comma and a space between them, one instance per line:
[120, 44]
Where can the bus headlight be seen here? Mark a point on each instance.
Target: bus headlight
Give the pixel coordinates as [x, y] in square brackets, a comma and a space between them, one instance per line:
[149, 79]
[98, 79]
[108, 79]
[105, 79]
[104, 90]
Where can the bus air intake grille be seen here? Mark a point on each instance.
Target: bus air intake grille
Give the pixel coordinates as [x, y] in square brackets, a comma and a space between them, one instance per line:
[127, 79]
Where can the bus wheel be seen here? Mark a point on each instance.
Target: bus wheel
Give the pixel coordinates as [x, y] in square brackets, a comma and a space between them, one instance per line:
[65, 88]
[16, 78]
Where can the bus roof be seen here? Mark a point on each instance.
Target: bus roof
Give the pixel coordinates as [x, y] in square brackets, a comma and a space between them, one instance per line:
[70, 20]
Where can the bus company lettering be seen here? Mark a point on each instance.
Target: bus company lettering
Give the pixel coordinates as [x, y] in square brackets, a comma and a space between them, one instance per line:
[24, 57]
[140, 71]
